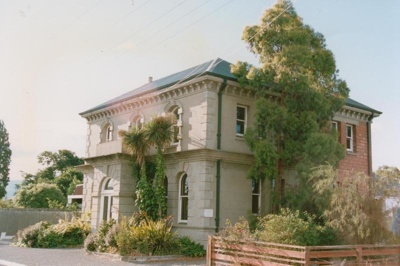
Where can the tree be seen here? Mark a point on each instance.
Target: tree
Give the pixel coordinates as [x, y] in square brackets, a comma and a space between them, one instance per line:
[291, 129]
[5, 159]
[159, 133]
[56, 164]
[71, 177]
[355, 203]
[38, 195]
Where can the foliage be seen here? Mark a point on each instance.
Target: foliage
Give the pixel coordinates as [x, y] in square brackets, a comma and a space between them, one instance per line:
[155, 237]
[5, 159]
[287, 227]
[7, 204]
[190, 248]
[291, 129]
[38, 195]
[29, 236]
[68, 180]
[355, 204]
[291, 227]
[150, 197]
[64, 234]
[238, 231]
[56, 164]
[59, 161]
[141, 235]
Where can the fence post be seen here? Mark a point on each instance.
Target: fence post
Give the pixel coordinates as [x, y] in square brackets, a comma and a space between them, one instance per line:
[359, 255]
[307, 256]
[209, 250]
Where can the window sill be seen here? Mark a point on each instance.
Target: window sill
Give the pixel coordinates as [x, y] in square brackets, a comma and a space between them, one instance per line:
[351, 153]
[239, 137]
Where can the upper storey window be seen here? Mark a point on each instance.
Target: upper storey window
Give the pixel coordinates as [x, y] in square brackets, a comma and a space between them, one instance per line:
[107, 133]
[241, 120]
[350, 138]
[178, 125]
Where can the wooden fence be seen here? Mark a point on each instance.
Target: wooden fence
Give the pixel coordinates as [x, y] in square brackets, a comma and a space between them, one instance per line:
[223, 252]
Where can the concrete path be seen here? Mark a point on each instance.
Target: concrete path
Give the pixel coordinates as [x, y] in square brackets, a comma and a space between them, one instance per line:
[16, 256]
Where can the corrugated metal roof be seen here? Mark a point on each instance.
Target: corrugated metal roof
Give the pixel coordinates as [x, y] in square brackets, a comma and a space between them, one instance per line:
[217, 67]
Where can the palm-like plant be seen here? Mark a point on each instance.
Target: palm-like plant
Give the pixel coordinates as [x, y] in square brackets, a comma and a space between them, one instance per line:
[135, 142]
[158, 132]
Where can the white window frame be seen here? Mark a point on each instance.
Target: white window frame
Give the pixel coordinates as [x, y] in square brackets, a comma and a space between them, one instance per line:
[107, 195]
[177, 111]
[181, 199]
[244, 121]
[108, 133]
[257, 194]
[350, 138]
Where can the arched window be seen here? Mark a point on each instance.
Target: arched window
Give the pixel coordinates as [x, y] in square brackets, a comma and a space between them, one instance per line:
[107, 132]
[178, 125]
[183, 198]
[107, 200]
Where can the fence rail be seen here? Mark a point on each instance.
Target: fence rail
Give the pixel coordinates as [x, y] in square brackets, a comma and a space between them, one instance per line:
[221, 251]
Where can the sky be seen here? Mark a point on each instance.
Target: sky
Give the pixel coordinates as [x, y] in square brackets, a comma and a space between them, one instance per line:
[62, 57]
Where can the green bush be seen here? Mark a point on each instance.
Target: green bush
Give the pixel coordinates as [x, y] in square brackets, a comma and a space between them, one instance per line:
[29, 236]
[141, 235]
[293, 228]
[64, 234]
[38, 195]
[155, 237]
[188, 247]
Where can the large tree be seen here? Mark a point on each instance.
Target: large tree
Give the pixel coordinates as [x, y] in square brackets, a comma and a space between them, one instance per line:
[291, 129]
[5, 159]
[56, 163]
[39, 196]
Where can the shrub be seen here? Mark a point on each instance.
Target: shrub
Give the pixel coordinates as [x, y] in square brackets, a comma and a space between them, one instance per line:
[237, 232]
[63, 234]
[188, 247]
[91, 242]
[290, 227]
[38, 195]
[29, 236]
[155, 237]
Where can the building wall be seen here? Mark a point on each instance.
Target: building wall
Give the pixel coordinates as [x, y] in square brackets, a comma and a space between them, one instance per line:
[196, 155]
[357, 160]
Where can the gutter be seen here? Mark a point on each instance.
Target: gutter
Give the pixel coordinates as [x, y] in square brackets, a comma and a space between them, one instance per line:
[369, 144]
[218, 174]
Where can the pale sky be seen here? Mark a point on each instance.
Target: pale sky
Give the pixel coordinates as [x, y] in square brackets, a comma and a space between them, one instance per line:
[61, 57]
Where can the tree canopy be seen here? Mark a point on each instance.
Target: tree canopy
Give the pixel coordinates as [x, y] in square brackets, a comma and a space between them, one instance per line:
[38, 195]
[5, 159]
[292, 130]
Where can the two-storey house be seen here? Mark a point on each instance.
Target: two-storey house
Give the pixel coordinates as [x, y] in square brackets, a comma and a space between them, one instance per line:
[208, 161]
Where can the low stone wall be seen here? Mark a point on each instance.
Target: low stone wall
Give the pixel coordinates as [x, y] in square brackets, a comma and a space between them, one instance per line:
[12, 220]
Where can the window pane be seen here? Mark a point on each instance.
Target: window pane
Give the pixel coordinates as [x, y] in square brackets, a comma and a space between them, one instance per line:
[184, 208]
[105, 208]
[240, 127]
[255, 186]
[110, 208]
[349, 131]
[184, 186]
[254, 204]
[348, 144]
[241, 113]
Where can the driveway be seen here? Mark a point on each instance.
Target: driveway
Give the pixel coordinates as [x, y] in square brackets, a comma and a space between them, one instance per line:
[16, 256]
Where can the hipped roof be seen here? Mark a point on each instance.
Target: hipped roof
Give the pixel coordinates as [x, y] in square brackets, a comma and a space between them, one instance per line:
[217, 67]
